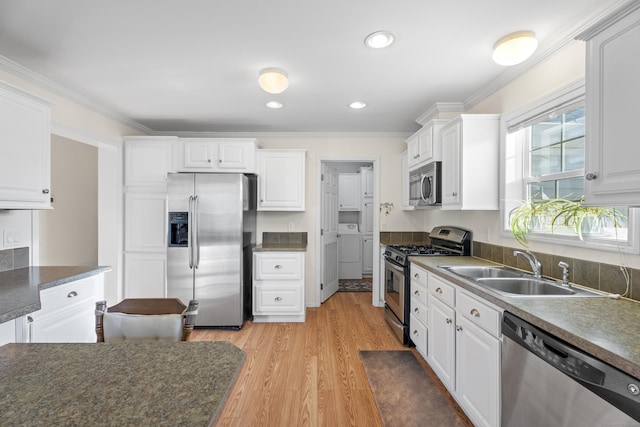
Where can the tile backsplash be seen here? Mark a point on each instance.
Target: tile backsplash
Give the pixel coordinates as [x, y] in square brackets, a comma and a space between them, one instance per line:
[14, 258]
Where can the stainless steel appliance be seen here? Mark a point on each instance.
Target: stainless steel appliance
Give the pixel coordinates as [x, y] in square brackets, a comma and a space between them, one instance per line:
[211, 235]
[445, 241]
[548, 382]
[425, 188]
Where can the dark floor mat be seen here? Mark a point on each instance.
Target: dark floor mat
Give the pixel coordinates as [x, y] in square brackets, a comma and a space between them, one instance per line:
[404, 392]
[349, 285]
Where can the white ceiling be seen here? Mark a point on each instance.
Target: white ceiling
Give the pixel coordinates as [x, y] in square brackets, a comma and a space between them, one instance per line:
[192, 66]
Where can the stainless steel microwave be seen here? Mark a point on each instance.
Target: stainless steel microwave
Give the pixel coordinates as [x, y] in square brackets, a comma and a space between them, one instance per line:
[425, 186]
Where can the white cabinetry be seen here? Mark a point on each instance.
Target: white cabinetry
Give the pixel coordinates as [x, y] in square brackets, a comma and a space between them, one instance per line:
[464, 349]
[366, 219]
[281, 180]
[470, 154]
[25, 152]
[406, 206]
[216, 155]
[424, 145]
[419, 320]
[612, 93]
[349, 192]
[367, 255]
[278, 287]
[7, 332]
[67, 313]
[147, 162]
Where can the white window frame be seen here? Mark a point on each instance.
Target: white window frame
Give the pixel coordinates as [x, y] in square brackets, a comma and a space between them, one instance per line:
[513, 170]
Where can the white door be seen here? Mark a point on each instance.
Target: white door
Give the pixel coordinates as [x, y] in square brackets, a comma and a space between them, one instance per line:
[329, 237]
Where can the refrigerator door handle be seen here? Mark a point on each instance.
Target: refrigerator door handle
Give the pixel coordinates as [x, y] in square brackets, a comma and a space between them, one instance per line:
[190, 226]
[195, 233]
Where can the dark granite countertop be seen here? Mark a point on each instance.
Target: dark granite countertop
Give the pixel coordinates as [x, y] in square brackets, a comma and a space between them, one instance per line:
[116, 384]
[20, 288]
[604, 327]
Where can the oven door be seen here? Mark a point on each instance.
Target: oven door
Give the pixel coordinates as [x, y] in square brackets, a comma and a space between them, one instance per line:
[394, 289]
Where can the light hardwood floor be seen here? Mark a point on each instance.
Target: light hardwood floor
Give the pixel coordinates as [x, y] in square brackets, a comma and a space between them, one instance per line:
[308, 374]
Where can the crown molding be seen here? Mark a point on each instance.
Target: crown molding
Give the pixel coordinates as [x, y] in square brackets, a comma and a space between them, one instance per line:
[186, 134]
[26, 74]
[439, 108]
[609, 20]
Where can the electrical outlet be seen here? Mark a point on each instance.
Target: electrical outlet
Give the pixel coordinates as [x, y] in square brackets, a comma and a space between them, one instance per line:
[290, 227]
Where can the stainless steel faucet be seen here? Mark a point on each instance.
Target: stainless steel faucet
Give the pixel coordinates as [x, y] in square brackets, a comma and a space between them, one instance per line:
[536, 267]
[565, 273]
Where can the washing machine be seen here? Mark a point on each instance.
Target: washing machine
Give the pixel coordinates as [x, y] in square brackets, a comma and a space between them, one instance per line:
[349, 251]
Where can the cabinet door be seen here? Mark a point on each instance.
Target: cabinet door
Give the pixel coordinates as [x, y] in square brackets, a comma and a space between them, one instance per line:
[441, 339]
[25, 152]
[451, 141]
[146, 220]
[72, 325]
[612, 93]
[413, 152]
[349, 192]
[7, 332]
[425, 144]
[478, 373]
[147, 160]
[366, 182]
[366, 216]
[367, 255]
[236, 156]
[281, 180]
[145, 275]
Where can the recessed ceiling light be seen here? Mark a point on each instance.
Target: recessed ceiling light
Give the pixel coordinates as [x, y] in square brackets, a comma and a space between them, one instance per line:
[379, 39]
[274, 105]
[357, 105]
[514, 48]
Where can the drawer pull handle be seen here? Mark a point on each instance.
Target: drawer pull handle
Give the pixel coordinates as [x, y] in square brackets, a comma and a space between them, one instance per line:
[448, 321]
[416, 310]
[277, 299]
[278, 267]
[72, 294]
[416, 293]
[416, 276]
[458, 328]
[439, 290]
[475, 313]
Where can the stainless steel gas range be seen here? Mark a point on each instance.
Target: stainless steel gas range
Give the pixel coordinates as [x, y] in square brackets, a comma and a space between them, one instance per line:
[445, 241]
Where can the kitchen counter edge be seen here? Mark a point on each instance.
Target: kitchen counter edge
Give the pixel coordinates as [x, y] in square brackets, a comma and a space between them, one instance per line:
[20, 288]
[283, 247]
[594, 325]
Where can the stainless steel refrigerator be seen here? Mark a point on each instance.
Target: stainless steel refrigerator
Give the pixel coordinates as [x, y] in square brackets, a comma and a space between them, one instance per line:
[212, 227]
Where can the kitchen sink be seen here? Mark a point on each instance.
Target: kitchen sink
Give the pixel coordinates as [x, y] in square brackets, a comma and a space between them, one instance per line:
[513, 283]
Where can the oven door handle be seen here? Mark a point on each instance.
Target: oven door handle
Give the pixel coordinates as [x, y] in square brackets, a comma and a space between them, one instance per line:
[392, 266]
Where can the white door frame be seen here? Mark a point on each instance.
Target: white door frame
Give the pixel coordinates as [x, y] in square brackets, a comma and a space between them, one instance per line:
[376, 295]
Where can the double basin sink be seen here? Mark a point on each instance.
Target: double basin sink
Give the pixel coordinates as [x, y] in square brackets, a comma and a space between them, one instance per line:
[514, 283]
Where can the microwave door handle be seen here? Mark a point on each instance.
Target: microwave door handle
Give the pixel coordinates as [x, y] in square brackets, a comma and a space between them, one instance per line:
[424, 199]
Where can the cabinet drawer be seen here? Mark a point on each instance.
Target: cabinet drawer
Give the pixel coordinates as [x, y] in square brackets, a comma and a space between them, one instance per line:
[418, 275]
[419, 310]
[278, 266]
[68, 295]
[418, 334]
[273, 300]
[442, 290]
[419, 292]
[479, 313]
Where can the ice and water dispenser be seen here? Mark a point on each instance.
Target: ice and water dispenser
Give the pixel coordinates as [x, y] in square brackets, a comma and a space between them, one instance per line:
[179, 229]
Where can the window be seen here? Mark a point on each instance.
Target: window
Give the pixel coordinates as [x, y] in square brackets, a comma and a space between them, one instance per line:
[544, 160]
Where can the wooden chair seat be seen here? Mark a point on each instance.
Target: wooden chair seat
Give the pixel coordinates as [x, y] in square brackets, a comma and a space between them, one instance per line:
[168, 308]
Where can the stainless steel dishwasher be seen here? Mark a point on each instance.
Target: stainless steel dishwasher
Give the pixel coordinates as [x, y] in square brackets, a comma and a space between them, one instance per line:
[548, 382]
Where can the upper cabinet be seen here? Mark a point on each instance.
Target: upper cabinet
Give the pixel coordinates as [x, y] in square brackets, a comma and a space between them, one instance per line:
[147, 160]
[470, 162]
[281, 180]
[25, 152]
[612, 93]
[424, 145]
[216, 155]
[349, 192]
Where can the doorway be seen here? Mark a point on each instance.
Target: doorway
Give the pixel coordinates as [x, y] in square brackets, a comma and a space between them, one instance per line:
[348, 245]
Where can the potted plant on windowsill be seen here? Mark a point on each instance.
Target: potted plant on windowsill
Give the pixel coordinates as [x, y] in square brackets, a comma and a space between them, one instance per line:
[573, 215]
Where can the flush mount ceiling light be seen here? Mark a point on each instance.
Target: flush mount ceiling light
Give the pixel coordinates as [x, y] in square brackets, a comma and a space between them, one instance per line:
[357, 105]
[274, 105]
[514, 48]
[273, 80]
[379, 39]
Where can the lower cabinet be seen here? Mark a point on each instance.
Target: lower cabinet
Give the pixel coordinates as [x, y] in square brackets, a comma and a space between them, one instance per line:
[278, 287]
[367, 255]
[464, 349]
[418, 319]
[7, 332]
[67, 312]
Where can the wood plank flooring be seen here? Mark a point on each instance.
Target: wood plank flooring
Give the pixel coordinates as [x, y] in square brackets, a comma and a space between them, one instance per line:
[309, 374]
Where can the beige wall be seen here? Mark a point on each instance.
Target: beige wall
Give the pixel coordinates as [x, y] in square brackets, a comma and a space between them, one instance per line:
[69, 232]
